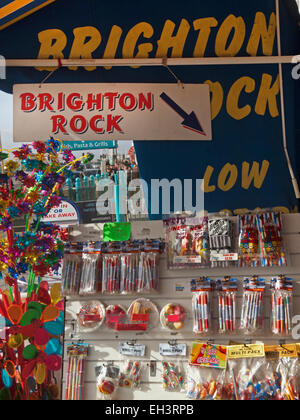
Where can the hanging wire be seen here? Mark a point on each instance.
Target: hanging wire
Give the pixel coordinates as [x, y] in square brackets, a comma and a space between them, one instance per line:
[52, 72]
[165, 64]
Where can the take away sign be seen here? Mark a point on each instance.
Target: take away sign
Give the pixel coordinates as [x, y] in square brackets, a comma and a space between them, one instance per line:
[73, 112]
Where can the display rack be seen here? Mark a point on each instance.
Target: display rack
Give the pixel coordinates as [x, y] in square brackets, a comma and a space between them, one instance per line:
[174, 287]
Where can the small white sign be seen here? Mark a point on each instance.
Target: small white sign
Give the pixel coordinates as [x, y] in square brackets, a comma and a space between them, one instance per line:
[72, 112]
[224, 257]
[65, 212]
[128, 349]
[167, 349]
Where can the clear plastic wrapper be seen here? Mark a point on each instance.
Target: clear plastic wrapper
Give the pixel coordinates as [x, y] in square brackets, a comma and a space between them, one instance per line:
[129, 273]
[272, 253]
[107, 382]
[201, 302]
[111, 269]
[172, 317]
[281, 306]
[144, 312]
[221, 242]
[227, 291]
[172, 376]
[130, 375]
[91, 316]
[282, 373]
[115, 315]
[205, 383]
[252, 316]
[148, 277]
[187, 240]
[246, 376]
[77, 354]
[72, 268]
[91, 274]
[248, 241]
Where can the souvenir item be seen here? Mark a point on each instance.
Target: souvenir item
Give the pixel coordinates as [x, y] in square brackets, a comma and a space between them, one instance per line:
[91, 316]
[281, 305]
[172, 317]
[252, 315]
[227, 291]
[201, 303]
[143, 311]
[77, 353]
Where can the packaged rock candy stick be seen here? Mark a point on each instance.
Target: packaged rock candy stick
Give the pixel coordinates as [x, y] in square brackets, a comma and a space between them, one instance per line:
[72, 269]
[248, 241]
[227, 290]
[202, 298]
[281, 305]
[252, 315]
[271, 242]
[91, 274]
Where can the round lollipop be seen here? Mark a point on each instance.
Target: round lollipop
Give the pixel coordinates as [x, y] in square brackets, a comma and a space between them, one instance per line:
[91, 316]
[145, 312]
[172, 317]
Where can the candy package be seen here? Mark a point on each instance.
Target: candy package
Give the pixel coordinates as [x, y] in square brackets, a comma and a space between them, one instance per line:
[77, 354]
[221, 242]
[282, 372]
[172, 376]
[246, 371]
[111, 268]
[143, 312]
[187, 240]
[91, 316]
[115, 316]
[91, 274]
[107, 381]
[272, 251]
[201, 301]
[252, 315]
[204, 383]
[148, 272]
[206, 372]
[227, 290]
[130, 375]
[129, 262]
[281, 305]
[72, 268]
[172, 317]
[248, 241]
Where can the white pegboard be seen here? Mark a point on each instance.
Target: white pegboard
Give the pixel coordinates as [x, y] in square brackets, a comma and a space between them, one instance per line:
[104, 343]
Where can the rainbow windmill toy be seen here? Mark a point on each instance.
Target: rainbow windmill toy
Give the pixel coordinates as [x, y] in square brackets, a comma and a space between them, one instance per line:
[31, 326]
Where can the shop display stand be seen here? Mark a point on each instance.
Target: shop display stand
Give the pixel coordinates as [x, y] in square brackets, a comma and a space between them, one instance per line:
[174, 287]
